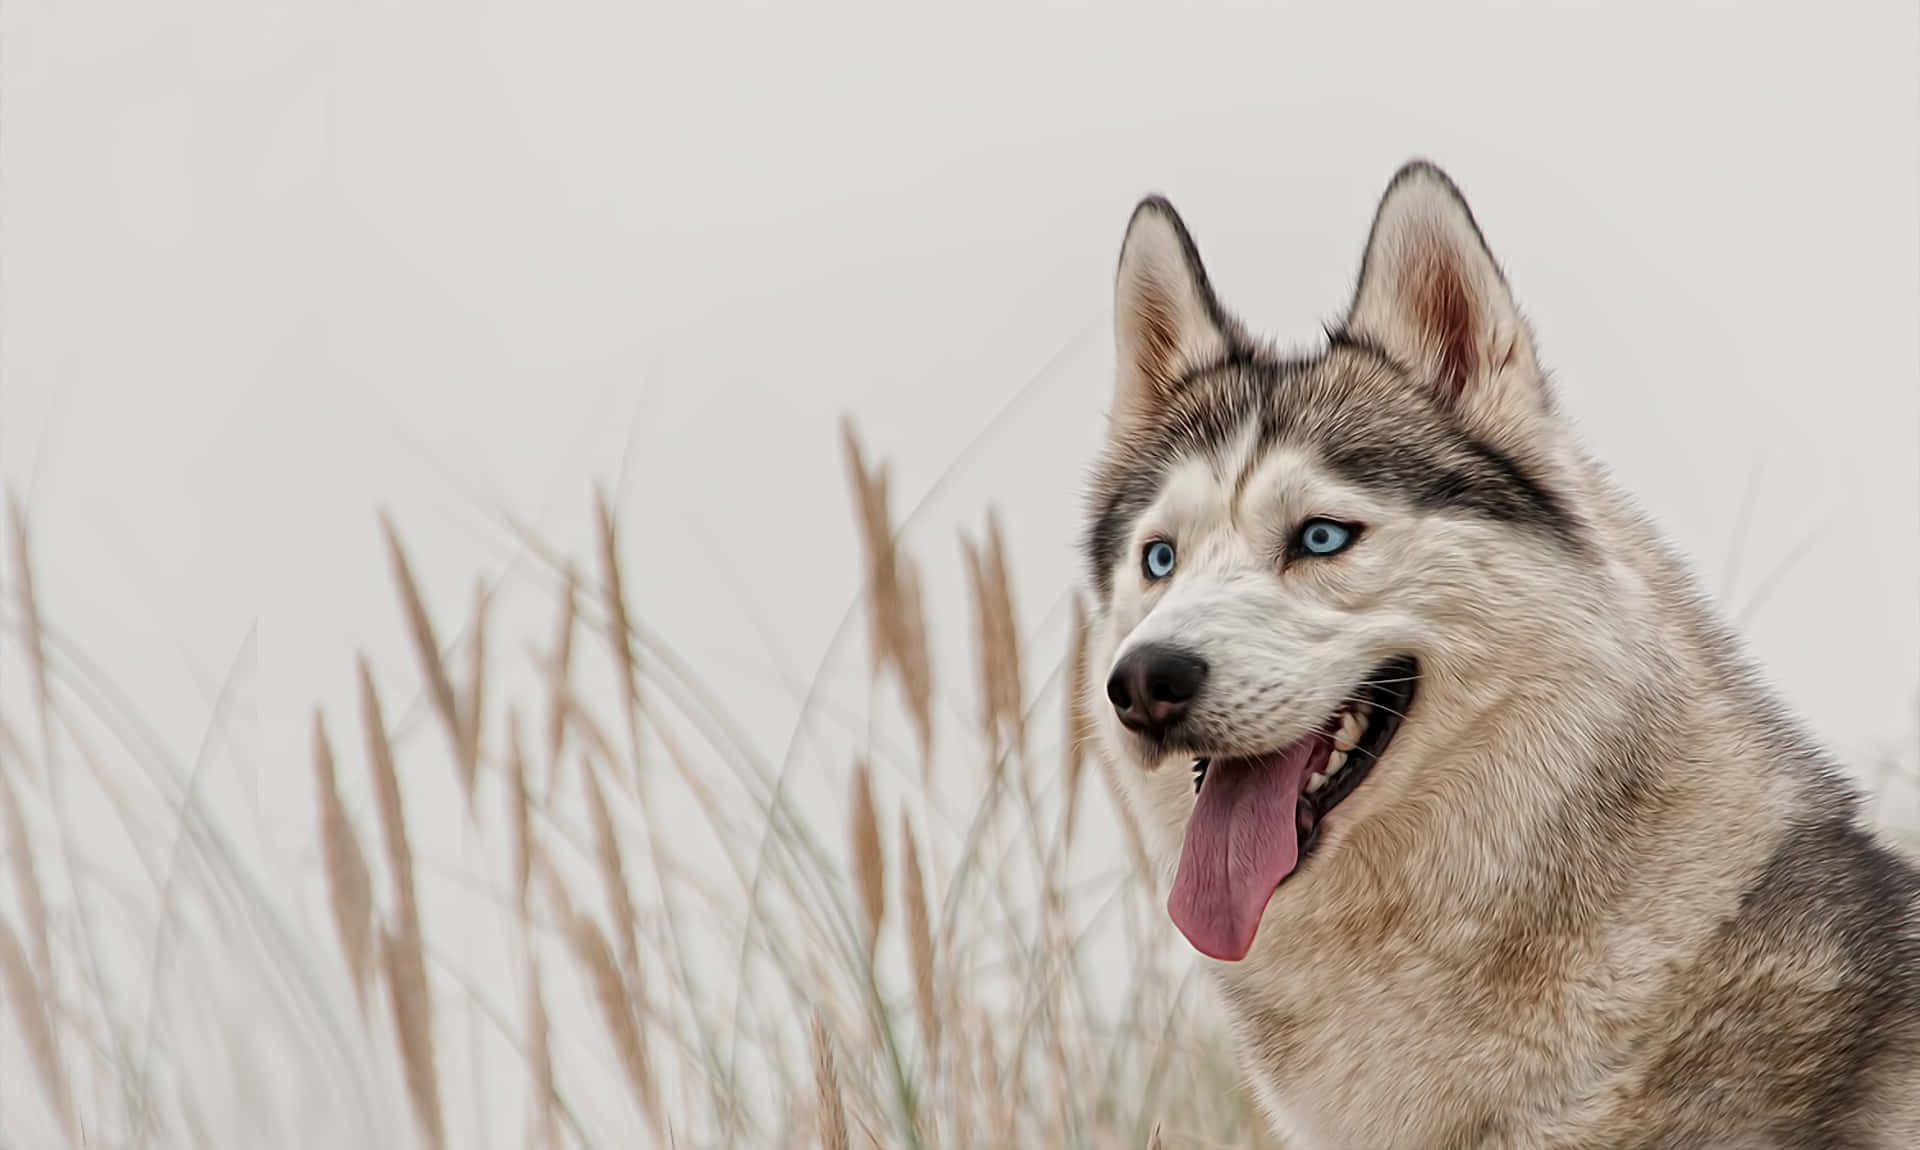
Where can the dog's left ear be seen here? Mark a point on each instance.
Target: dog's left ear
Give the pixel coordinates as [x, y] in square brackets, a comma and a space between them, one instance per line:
[1432, 297]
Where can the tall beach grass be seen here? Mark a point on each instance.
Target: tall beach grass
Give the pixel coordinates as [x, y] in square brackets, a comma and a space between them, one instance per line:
[657, 933]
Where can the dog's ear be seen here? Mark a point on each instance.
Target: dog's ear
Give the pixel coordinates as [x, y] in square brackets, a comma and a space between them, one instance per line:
[1165, 319]
[1432, 297]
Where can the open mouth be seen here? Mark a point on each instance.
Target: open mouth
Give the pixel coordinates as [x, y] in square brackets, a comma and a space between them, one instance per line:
[1256, 817]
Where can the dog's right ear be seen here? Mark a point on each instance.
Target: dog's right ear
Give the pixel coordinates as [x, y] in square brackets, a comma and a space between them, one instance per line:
[1165, 318]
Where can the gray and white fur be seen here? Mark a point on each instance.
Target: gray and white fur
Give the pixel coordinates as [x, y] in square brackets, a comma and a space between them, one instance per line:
[1601, 890]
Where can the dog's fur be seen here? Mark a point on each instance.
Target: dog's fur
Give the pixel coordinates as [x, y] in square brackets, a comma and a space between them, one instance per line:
[1601, 891]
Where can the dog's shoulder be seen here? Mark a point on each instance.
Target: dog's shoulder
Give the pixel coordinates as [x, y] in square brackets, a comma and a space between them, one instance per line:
[1802, 1013]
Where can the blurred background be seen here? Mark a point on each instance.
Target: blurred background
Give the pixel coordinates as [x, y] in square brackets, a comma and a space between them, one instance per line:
[268, 270]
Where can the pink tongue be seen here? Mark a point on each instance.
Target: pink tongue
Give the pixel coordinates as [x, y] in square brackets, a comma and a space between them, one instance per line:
[1241, 841]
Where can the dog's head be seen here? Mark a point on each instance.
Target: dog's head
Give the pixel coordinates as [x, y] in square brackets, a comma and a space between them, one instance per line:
[1311, 574]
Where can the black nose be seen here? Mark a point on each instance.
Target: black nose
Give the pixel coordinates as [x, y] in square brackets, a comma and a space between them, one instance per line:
[1153, 687]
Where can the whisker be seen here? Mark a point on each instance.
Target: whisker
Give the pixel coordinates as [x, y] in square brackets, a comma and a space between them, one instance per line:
[1376, 706]
[1413, 678]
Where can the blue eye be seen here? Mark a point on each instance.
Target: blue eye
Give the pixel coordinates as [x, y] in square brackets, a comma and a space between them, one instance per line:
[1157, 561]
[1324, 537]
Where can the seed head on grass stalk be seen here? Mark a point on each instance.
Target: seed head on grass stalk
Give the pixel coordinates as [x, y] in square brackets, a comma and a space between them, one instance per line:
[914, 660]
[869, 861]
[919, 942]
[876, 534]
[520, 816]
[1078, 737]
[403, 950]
[472, 699]
[426, 646]
[618, 630]
[621, 1006]
[388, 800]
[896, 621]
[996, 641]
[613, 872]
[560, 666]
[349, 888]
[826, 1082]
[409, 995]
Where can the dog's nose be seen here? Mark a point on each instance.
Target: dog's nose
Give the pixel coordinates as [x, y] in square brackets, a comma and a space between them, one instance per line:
[1152, 688]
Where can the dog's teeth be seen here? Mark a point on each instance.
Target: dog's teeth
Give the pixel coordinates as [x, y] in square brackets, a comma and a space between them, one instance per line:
[1335, 761]
[1315, 781]
[1351, 727]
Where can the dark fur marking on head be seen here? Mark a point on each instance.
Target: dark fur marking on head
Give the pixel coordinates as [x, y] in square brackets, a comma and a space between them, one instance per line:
[1130, 475]
[1353, 405]
[1472, 477]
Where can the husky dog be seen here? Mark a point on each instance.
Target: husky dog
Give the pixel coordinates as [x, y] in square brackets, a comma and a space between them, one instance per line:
[1489, 833]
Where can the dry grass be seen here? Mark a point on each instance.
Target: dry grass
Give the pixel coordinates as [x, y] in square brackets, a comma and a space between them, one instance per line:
[426, 645]
[997, 641]
[919, 930]
[832, 1115]
[896, 622]
[701, 956]
[690, 942]
[869, 860]
[349, 889]
[619, 629]
[620, 1003]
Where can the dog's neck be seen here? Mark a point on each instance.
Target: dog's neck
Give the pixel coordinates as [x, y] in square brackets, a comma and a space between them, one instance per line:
[1619, 744]
[1599, 862]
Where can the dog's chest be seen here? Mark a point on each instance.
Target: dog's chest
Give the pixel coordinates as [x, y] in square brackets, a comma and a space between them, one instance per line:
[1347, 1058]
